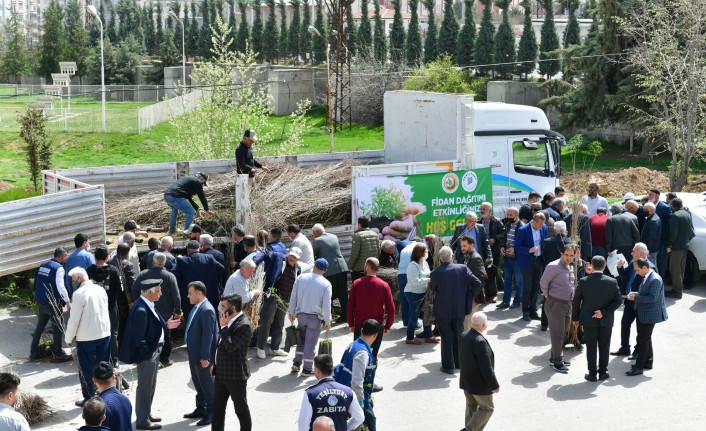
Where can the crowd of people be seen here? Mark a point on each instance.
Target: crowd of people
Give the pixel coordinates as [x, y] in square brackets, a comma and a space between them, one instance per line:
[126, 309]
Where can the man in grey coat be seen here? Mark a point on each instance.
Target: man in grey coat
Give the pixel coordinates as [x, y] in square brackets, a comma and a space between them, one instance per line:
[620, 232]
[326, 246]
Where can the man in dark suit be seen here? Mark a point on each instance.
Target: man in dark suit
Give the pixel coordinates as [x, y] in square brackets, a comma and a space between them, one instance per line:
[144, 338]
[327, 246]
[478, 379]
[664, 212]
[652, 232]
[454, 286]
[474, 262]
[596, 298]
[198, 267]
[200, 338]
[474, 231]
[529, 242]
[231, 369]
[620, 231]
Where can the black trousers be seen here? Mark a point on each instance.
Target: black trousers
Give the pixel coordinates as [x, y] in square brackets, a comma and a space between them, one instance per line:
[530, 287]
[491, 287]
[644, 343]
[450, 330]
[339, 284]
[236, 390]
[597, 342]
[629, 316]
[376, 344]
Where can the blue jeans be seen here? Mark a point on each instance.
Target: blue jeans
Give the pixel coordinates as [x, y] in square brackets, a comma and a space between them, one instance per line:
[511, 269]
[179, 204]
[401, 283]
[370, 419]
[89, 354]
[415, 301]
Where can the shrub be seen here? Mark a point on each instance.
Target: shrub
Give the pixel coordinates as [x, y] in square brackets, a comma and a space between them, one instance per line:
[441, 76]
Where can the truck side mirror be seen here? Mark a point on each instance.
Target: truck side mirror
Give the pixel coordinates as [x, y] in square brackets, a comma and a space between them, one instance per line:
[529, 145]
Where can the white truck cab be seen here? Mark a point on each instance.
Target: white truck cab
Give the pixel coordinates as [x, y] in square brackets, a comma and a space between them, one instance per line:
[514, 140]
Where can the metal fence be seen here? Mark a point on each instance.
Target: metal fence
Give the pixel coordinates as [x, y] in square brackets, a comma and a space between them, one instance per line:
[30, 229]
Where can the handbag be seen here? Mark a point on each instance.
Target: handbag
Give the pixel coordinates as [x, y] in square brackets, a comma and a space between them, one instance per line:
[293, 337]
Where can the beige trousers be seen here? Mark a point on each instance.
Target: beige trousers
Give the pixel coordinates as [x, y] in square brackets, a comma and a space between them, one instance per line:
[479, 409]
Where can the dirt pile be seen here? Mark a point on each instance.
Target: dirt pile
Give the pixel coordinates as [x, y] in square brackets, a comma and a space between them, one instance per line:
[4, 186]
[615, 184]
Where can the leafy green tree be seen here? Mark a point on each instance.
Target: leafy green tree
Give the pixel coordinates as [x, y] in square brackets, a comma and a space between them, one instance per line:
[467, 36]
[231, 16]
[38, 141]
[379, 39]
[413, 44]
[294, 30]
[504, 56]
[430, 44]
[365, 34]
[270, 35]
[256, 34]
[319, 42]
[243, 38]
[549, 43]
[77, 47]
[448, 33]
[441, 76]
[485, 45]
[193, 36]
[304, 35]
[527, 49]
[352, 31]
[53, 40]
[128, 56]
[205, 31]
[168, 52]
[397, 35]
[283, 50]
[15, 58]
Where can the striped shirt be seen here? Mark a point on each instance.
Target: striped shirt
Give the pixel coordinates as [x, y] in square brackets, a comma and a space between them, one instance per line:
[512, 229]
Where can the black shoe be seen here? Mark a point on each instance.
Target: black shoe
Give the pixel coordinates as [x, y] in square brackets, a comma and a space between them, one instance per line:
[33, 357]
[307, 373]
[154, 418]
[672, 294]
[80, 403]
[148, 426]
[377, 388]
[420, 335]
[61, 359]
[560, 368]
[634, 371]
[514, 305]
[125, 384]
[566, 363]
[205, 421]
[623, 351]
[543, 328]
[198, 413]
[590, 377]
[502, 306]
[535, 317]
[526, 317]
[444, 370]
[603, 376]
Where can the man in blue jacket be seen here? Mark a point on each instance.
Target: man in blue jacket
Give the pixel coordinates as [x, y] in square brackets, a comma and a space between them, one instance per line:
[144, 338]
[664, 212]
[198, 267]
[118, 409]
[81, 257]
[652, 232]
[529, 244]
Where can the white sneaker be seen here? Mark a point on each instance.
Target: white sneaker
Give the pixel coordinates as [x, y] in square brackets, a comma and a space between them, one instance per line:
[278, 352]
[261, 354]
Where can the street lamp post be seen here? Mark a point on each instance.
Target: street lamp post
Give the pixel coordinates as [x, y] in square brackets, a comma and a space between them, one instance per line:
[183, 49]
[92, 10]
[314, 30]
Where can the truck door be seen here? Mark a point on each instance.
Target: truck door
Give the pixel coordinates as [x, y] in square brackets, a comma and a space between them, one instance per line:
[531, 167]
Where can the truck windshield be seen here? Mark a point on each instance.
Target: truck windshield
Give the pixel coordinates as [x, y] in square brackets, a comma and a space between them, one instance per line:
[531, 161]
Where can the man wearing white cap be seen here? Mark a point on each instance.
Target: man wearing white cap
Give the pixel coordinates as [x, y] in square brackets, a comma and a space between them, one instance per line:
[244, 159]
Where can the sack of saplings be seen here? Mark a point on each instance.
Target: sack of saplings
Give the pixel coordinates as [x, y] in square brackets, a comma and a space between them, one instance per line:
[292, 337]
[326, 347]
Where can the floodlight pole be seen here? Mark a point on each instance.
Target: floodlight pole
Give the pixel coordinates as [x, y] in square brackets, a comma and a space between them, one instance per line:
[92, 10]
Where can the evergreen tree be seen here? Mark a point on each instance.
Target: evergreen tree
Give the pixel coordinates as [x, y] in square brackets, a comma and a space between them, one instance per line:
[243, 38]
[319, 42]
[283, 50]
[176, 34]
[379, 38]
[485, 45]
[111, 30]
[549, 42]
[138, 24]
[448, 33]
[504, 56]
[397, 35]
[53, 40]
[150, 35]
[159, 29]
[231, 18]
[14, 61]
[430, 44]
[527, 49]
[256, 35]
[365, 34]
[304, 35]
[205, 30]
[572, 33]
[187, 29]
[168, 51]
[270, 35]
[193, 32]
[77, 46]
[466, 37]
[352, 31]
[413, 44]
[294, 30]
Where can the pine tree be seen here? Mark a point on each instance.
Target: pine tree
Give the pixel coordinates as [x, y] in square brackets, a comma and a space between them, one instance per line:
[448, 33]
[466, 37]
[549, 41]
[256, 35]
[53, 40]
[413, 44]
[15, 59]
[231, 19]
[430, 44]
[150, 36]
[504, 56]
[204, 46]
[193, 32]
[572, 33]
[352, 31]
[168, 52]
[365, 34]
[304, 35]
[283, 50]
[111, 30]
[270, 35]
[379, 39]
[397, 35]
[77, 46]
[319, 42]
[159, 32]
[187, 29]
[137, 24]
[293, 33]
[243, 38]
[527, 49]
[176, 34]
[485, 44]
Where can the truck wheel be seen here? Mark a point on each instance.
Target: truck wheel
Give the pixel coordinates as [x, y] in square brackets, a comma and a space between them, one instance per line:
[691, 271]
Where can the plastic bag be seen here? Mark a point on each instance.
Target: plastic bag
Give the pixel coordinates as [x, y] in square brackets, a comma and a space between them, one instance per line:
[612, 262]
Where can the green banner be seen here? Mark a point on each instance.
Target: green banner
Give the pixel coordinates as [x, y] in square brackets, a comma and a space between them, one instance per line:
[416, 205]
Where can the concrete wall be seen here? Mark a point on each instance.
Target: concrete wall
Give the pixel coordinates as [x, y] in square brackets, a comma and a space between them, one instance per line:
[151, 115]
[294, 85]
[173, 75]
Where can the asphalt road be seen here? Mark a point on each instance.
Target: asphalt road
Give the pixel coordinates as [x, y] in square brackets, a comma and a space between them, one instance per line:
[417, 396]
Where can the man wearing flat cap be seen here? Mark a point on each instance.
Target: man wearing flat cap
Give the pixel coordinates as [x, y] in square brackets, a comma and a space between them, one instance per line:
[118, 409]
[244, 159]
[144, 337]
[179, 197]
[201, 267]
